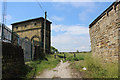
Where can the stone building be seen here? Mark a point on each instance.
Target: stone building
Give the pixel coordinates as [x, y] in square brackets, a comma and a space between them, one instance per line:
[105, 34]
[33, 30]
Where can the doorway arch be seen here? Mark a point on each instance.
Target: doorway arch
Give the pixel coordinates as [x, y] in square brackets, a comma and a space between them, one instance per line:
[35, 47]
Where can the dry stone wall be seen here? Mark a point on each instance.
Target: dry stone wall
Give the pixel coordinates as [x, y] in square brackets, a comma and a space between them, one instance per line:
[104, 34]
[12, 61]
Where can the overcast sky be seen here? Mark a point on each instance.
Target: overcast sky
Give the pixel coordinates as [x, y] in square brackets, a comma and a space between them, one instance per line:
[72, 18]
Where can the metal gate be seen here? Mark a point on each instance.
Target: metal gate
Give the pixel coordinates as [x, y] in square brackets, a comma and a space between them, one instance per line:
[26, 46]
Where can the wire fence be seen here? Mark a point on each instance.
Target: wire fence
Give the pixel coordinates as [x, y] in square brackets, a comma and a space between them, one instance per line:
[7, 35]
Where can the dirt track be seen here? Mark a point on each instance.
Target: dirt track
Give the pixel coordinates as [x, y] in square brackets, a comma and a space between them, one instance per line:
[61, 71]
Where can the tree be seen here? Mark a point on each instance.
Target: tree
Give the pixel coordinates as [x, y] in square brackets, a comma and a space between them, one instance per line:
[77, 51]
[54, 50]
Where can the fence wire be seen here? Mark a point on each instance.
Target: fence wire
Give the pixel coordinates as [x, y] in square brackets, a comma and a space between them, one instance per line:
[6, 35]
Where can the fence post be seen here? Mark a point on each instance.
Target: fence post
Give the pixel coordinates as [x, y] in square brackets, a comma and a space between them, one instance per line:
[31, 51]
[2, 37]
[18, 40]
[12, 37]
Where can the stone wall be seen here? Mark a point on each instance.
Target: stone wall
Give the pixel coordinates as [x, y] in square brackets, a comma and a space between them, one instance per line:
[104, 34]
[12, 61]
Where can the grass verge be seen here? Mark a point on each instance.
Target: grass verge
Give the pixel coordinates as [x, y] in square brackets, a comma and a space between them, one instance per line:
[36, 67]
[95, 68]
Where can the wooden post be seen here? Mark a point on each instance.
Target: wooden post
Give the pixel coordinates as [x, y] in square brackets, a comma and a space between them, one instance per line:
[45, 33]
[2, 34]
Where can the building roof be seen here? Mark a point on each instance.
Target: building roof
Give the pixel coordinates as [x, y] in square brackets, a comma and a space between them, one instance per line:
[30, 20]
[103, 13]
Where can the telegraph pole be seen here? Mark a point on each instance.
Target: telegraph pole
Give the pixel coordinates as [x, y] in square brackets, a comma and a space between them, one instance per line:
[45, 32]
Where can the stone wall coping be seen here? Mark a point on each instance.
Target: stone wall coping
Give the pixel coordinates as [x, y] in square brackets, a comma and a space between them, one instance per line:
[106, 11]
